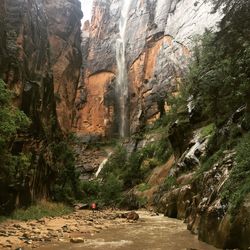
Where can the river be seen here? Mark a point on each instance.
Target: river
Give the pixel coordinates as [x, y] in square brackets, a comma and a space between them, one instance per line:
[149, 233]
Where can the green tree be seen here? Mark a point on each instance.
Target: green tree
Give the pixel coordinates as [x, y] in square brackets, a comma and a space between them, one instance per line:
[12, 120]
[220, 73]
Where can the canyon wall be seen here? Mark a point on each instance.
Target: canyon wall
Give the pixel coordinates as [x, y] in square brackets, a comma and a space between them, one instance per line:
[159, 38]
[64, 22]
[39, 55]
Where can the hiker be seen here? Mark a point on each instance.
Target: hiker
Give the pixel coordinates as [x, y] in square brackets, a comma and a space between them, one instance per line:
[93, 206]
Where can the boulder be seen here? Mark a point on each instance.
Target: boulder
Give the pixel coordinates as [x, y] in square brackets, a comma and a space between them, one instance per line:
[77, 240]
[132, 216]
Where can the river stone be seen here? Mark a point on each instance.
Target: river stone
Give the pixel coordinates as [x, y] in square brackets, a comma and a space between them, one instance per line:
[132, 216]
[77, 240]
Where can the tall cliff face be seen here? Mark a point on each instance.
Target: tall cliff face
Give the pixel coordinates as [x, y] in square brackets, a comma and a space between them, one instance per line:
[36, 59]
[159, 38]
[25, 59]
[64, 22]
[40, 45]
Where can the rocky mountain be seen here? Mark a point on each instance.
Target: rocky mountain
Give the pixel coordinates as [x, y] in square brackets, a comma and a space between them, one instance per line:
[159, 39]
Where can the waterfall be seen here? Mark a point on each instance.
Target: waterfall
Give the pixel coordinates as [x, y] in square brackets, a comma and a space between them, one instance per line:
[101, 166]
[122, 76]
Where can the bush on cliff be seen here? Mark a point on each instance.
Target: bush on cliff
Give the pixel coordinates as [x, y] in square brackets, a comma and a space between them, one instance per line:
[66, 186]
[18, 167]
[11, 119]
[219, 76]
[238, 184]
[13, 168]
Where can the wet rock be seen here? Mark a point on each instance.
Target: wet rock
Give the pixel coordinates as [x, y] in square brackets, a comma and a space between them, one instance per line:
[8, 245]
[18, 226]
[26, 235]
[132, 216]
[65, 228]
[66, 57]
[4, 234]
[77, 240]
[169, 203]
[29, 242]
[41, 221]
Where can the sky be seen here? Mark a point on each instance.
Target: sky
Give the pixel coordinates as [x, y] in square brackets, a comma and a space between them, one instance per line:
[86, 9]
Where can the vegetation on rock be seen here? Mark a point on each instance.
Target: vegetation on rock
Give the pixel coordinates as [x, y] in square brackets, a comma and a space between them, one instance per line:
[40, 210]
[18, 165]
[217, 91]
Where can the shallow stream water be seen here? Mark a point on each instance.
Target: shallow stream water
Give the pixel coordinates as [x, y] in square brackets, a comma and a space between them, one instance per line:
[149, 233]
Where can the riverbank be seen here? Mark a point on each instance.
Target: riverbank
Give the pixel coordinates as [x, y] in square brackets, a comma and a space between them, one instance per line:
[73, 227]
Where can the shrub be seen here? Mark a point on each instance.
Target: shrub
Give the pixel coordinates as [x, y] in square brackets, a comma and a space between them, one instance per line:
[90, 189]
[169, 183]
[131, 201]
[66, 186]
[208, 130]
[143, 187]
[11, 119]
[208, 163]
[42, 209]
[238, 184]
[111, 190]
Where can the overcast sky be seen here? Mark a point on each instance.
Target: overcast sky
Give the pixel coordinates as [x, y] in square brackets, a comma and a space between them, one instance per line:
[86, 9]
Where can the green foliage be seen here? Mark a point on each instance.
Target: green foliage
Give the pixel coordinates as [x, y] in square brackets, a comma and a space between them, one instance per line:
[90, 189]
[178, 103]
[125, 168]
[207, 163]
[208, 130]
[14, 168]
[169, 183]
[17, 166]
[131, 201]
[104, 193]
[116, 163]
[143, 187]
[229, 6]
[132, 169]
[142, 202]
[67, 182]
[238, 185]
[219, 77]
[11, 119]
[2, 219]
[41, 210]
[111, 190]
[91, 192]
[122, 172]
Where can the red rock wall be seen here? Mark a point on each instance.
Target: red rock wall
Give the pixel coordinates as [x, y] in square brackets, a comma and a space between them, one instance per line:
[64, 22]
[159, 40]
[39, 54]
[95, 117]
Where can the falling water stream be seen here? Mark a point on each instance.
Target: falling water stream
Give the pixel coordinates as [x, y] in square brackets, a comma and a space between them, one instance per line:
[101, 166]
[122, 76]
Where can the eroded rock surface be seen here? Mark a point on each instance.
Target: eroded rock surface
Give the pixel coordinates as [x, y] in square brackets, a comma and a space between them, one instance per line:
[39, 53]
[196, 198]
[64, 23]
[159, 43]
